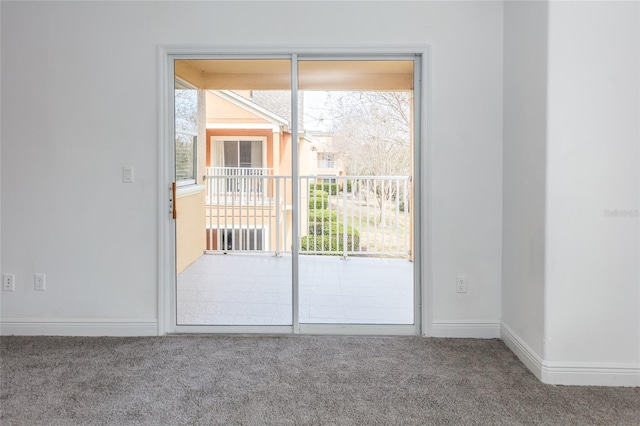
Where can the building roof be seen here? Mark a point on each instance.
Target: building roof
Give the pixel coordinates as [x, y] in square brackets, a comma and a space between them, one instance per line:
[251, 106]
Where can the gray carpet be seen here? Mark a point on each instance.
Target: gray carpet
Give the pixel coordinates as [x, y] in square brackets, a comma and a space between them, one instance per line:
[289, 380]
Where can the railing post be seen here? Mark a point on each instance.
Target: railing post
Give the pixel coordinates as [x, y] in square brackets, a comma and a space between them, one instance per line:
[344, 220]
[277, 206]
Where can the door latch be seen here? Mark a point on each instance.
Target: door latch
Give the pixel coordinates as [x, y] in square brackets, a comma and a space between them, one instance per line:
[172, 201]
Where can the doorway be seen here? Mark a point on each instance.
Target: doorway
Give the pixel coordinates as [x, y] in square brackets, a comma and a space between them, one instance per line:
[300, 213]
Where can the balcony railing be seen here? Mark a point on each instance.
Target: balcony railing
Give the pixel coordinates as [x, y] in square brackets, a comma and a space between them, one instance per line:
[240, 184]
[356, 215]
[250, 210]
[244, 211]
[239, 171]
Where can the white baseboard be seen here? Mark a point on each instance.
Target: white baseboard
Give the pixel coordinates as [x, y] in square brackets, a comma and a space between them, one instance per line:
[77, 327]
[528, 356]
[567, 373]
[591, 374]
[476, 329]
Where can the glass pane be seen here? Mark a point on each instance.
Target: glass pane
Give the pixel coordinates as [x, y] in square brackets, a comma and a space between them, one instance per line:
[245, 154]
[355, 193]
[185, 155]
[230, 153]
[256, 154]
[242, 220]
[186, 131]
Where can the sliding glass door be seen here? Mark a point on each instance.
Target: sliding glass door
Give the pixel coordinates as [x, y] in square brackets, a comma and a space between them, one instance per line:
[294, 196]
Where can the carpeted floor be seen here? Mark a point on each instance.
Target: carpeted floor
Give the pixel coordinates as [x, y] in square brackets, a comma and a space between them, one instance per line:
[187, 380]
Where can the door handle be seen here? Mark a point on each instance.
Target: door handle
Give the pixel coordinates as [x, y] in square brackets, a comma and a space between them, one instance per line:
[174, 213]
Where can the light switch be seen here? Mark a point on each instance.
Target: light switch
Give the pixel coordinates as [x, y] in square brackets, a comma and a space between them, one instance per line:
[127, 174]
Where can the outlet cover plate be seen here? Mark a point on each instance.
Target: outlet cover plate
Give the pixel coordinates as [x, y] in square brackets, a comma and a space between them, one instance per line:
[461, 284]
[40, 282]
[8, 282]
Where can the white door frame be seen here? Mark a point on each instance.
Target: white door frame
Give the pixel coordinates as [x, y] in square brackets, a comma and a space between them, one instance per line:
[166, 224]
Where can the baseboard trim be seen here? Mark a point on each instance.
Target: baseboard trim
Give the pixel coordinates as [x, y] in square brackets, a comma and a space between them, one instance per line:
[476, 329]
[528, 356]
[591, 374]
[77, 327]
[572, 374]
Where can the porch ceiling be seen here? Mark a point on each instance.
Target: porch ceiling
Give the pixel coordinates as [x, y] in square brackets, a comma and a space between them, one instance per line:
[273, 74]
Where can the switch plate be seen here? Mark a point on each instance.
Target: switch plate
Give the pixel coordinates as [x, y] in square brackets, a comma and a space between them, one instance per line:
[461, 284]
[39, 282]
[8, 282]
[127, 174]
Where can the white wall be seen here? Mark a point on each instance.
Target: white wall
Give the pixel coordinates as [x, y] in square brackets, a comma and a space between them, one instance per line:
[571, 278]
[592, 277]
[524, 148]
[79, 100]
[466, 161]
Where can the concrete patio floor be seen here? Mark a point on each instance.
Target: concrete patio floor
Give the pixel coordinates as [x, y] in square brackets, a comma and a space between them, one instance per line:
[255, 289]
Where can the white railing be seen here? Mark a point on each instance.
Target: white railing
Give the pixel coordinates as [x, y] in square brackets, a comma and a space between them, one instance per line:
[239, 171]
[247, 213]
[358, 215]
[238, 181]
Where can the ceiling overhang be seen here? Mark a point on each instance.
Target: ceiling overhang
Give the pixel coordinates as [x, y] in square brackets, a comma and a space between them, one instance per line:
[274, 74]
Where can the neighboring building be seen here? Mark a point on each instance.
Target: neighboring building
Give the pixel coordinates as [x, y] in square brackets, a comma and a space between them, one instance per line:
[245, 166]
[329, 164]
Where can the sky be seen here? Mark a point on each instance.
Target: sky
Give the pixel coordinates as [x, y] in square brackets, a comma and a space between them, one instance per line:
[316, 115]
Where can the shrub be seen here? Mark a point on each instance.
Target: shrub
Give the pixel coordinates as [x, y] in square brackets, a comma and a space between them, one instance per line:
[329, 188]
[318, 203]
[318, 193]
[329, 243]
[324, 236]
[331, 229]
[326, 232]
[323, 215]
[318, 200]
[351, 184]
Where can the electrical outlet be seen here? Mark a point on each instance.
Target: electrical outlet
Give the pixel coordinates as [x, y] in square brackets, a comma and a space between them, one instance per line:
[8, 282]
[127, 174]
[39, 282]
[461, 284]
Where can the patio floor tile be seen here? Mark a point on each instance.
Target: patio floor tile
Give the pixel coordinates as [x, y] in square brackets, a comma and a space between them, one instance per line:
[255, 289]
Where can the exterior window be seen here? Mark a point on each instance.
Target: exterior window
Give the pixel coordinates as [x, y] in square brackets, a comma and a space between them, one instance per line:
[186, 132]
[244, 154]
[327, 179]
[241, 160]
[326, 160]
[185, 157]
